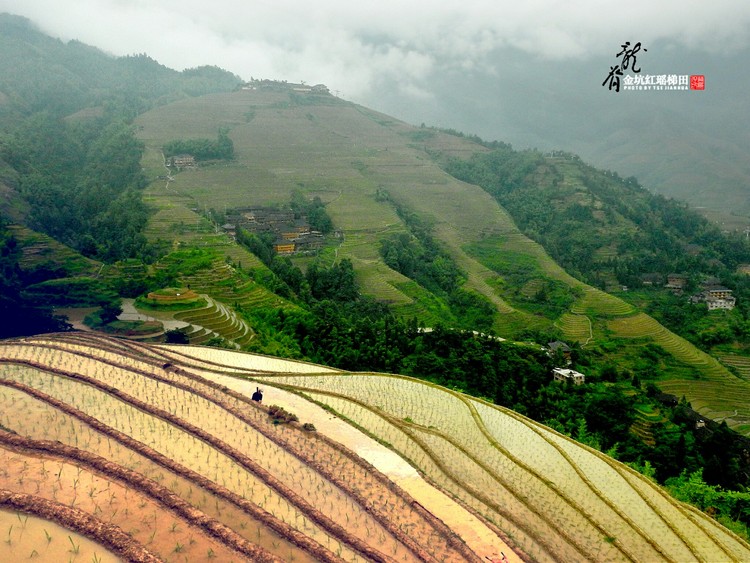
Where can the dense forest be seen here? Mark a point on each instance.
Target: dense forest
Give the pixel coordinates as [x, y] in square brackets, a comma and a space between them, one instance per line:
[67, 145]
[81, 182]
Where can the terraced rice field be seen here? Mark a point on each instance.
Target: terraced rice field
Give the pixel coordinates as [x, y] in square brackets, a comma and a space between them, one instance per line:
[132, 436]
[163, 444]
[27, 537]
[739, 363]
[645, 418]
[222, 283]
[224, 291]
[576, 328]
[558, 500]
[37, 249]
[718, 394]
[601, 303]
[215, 319]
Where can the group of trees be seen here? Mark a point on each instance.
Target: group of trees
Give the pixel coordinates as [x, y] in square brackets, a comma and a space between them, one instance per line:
[222, 148]
[417, 255]
[314, 210]
[336, 283]
[82, 183]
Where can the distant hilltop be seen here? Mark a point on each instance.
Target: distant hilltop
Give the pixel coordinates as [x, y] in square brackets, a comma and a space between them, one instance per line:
[283, 85]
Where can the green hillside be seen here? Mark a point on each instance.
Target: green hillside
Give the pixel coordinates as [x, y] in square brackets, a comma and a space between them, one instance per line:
[342, 153]
[373, 173]
[349, 156]
[278, 219]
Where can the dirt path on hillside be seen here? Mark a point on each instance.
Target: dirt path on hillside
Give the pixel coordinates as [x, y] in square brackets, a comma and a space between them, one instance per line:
[75, 315]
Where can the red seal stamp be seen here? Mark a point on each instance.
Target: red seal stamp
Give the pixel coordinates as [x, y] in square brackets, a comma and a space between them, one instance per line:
[697, 82]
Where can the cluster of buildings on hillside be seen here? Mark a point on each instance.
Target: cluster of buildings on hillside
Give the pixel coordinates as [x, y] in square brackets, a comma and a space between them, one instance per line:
[181, 161]
[283, 85]
[293, 235]
[712, 293]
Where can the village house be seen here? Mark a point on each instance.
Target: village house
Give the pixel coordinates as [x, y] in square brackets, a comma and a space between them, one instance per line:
[718, 292]
[284, 248]
[716, 297]
[558, 346]
[651, 279]
[565, 374]
[265, 84]
[309, 242]
[230, 229]
[676, 283]
[182, 161]
[723, 303]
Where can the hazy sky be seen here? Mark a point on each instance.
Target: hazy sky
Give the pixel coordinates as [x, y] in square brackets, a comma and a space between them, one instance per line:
[528, 72]
[355, 46]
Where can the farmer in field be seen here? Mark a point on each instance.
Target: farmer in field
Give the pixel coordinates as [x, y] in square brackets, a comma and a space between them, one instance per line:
[258, 395]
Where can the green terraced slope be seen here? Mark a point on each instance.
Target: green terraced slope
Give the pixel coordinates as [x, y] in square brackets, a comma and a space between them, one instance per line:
[344, 154]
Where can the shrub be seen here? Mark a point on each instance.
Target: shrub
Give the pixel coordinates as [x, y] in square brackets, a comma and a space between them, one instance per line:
[280, 414]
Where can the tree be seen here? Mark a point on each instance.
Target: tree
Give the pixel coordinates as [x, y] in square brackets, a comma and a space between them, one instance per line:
[176, 336]
[20, 315]
[110, 310]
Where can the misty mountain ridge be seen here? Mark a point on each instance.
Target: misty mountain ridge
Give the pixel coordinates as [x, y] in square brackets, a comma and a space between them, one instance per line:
[686, 144]
[41, 73]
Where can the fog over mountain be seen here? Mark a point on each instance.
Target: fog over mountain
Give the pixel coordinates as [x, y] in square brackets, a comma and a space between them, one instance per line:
[527, 73]
[687, 144]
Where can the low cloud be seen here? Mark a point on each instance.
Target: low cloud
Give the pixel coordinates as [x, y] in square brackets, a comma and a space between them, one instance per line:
[354, 47]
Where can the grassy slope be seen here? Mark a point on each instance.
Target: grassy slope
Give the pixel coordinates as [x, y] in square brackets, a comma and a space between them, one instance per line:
[39, 250]
[344, 153]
